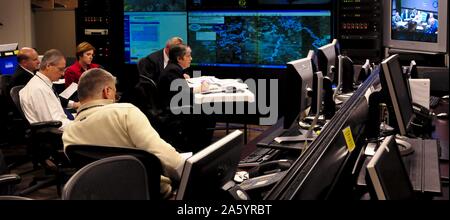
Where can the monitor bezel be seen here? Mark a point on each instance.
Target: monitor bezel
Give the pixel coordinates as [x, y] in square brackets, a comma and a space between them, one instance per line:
[304, 69]
[201, 155]
[439, 47]
[402, 125]
[372, 167]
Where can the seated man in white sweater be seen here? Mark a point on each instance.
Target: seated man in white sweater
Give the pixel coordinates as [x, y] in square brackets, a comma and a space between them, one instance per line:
[102, 122]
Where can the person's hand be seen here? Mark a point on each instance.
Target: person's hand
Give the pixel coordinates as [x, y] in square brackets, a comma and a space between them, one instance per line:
[205, 86]
[186, 76]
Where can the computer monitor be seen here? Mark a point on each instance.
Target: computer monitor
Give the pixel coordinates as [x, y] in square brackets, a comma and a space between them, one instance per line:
[327, 59]
[298, 86]
[387, 173]
[345, 75]
[392, 81]
[149, 24]
[8, 64]
[255, 38]
[416, 25]
[208, 173]
[365, 71]
[8, 58]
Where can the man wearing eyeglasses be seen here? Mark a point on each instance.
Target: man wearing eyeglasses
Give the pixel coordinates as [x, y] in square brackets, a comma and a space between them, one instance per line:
[38, 99]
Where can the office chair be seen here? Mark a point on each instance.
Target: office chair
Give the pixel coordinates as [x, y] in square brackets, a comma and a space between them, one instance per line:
[144, 96]
[7, 181]
[81, 155]
[44, 141]
[4, 110]
[112, 178]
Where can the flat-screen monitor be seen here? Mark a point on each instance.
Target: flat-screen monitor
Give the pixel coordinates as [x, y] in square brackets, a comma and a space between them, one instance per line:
[206, 174]
[297, 83]
[345, 74]
[149, 24]
[416, 25]
[8, 64]
[387, 173]
[392, 81]
[327, 59]
[264, 39]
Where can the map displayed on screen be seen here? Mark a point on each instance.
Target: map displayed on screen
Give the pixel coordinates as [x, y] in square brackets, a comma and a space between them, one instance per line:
[256, 38]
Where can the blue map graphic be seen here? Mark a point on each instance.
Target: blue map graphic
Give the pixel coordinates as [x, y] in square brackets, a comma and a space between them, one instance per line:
[260, 40]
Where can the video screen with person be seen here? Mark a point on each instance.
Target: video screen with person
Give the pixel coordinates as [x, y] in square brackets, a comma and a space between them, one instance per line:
[415, 20]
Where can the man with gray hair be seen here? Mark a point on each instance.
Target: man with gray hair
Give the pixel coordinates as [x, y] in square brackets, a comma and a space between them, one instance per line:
[38, 100]
[153, 64]
[102, 122]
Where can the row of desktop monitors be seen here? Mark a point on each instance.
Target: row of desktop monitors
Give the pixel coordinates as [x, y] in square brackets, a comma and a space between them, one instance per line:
[387, 174]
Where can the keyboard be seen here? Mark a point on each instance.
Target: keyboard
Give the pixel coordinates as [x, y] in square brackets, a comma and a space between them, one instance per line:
[258, 156]
[434, 101]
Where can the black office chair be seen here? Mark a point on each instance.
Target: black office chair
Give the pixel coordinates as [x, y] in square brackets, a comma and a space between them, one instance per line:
[45, 148]
[7, 181]
[112, 178]
[81, 155]
[4, 110]
[144, 96]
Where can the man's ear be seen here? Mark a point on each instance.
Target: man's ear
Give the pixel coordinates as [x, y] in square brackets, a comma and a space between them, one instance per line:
[105, 92]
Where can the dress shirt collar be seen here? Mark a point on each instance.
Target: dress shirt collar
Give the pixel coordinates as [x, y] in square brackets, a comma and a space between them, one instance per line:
[27, 70]
[166, 58]
[92, 104]
[45, 79]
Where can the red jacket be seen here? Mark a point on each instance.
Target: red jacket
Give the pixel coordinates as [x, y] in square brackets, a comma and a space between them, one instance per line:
[74, 72]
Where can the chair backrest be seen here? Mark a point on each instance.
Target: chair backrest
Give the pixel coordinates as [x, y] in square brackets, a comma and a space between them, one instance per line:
[112, 178]
[151, 90]
[16, 99]
[4, 85]
[80, 155]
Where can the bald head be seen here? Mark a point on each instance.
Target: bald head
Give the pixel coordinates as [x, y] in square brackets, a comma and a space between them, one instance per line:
[28, 58]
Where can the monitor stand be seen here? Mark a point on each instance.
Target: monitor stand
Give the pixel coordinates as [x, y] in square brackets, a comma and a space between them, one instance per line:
[404, 147]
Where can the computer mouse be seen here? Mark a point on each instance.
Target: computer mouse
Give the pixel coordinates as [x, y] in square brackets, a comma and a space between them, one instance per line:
[442, 116]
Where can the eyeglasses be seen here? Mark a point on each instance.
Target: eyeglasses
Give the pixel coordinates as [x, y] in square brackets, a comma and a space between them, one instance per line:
[61, 69]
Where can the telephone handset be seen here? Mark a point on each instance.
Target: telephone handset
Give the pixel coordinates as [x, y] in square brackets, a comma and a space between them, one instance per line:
[422, 112]
[269, 167]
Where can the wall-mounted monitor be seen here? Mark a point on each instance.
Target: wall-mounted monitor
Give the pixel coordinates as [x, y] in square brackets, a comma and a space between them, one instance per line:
[416, 25]
[265, 39]
[149, 24]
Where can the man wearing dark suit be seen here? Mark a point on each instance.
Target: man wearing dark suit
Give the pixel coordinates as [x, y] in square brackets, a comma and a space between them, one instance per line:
[28, 64]
[194, 128]
[153, 64]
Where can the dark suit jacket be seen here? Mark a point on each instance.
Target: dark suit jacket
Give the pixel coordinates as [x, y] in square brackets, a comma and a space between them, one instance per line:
[172, 72]
[152, 65]
[20, 77]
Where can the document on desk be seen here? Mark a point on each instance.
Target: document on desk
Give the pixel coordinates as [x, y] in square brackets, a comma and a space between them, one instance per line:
[69, 91]
[420, 91]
